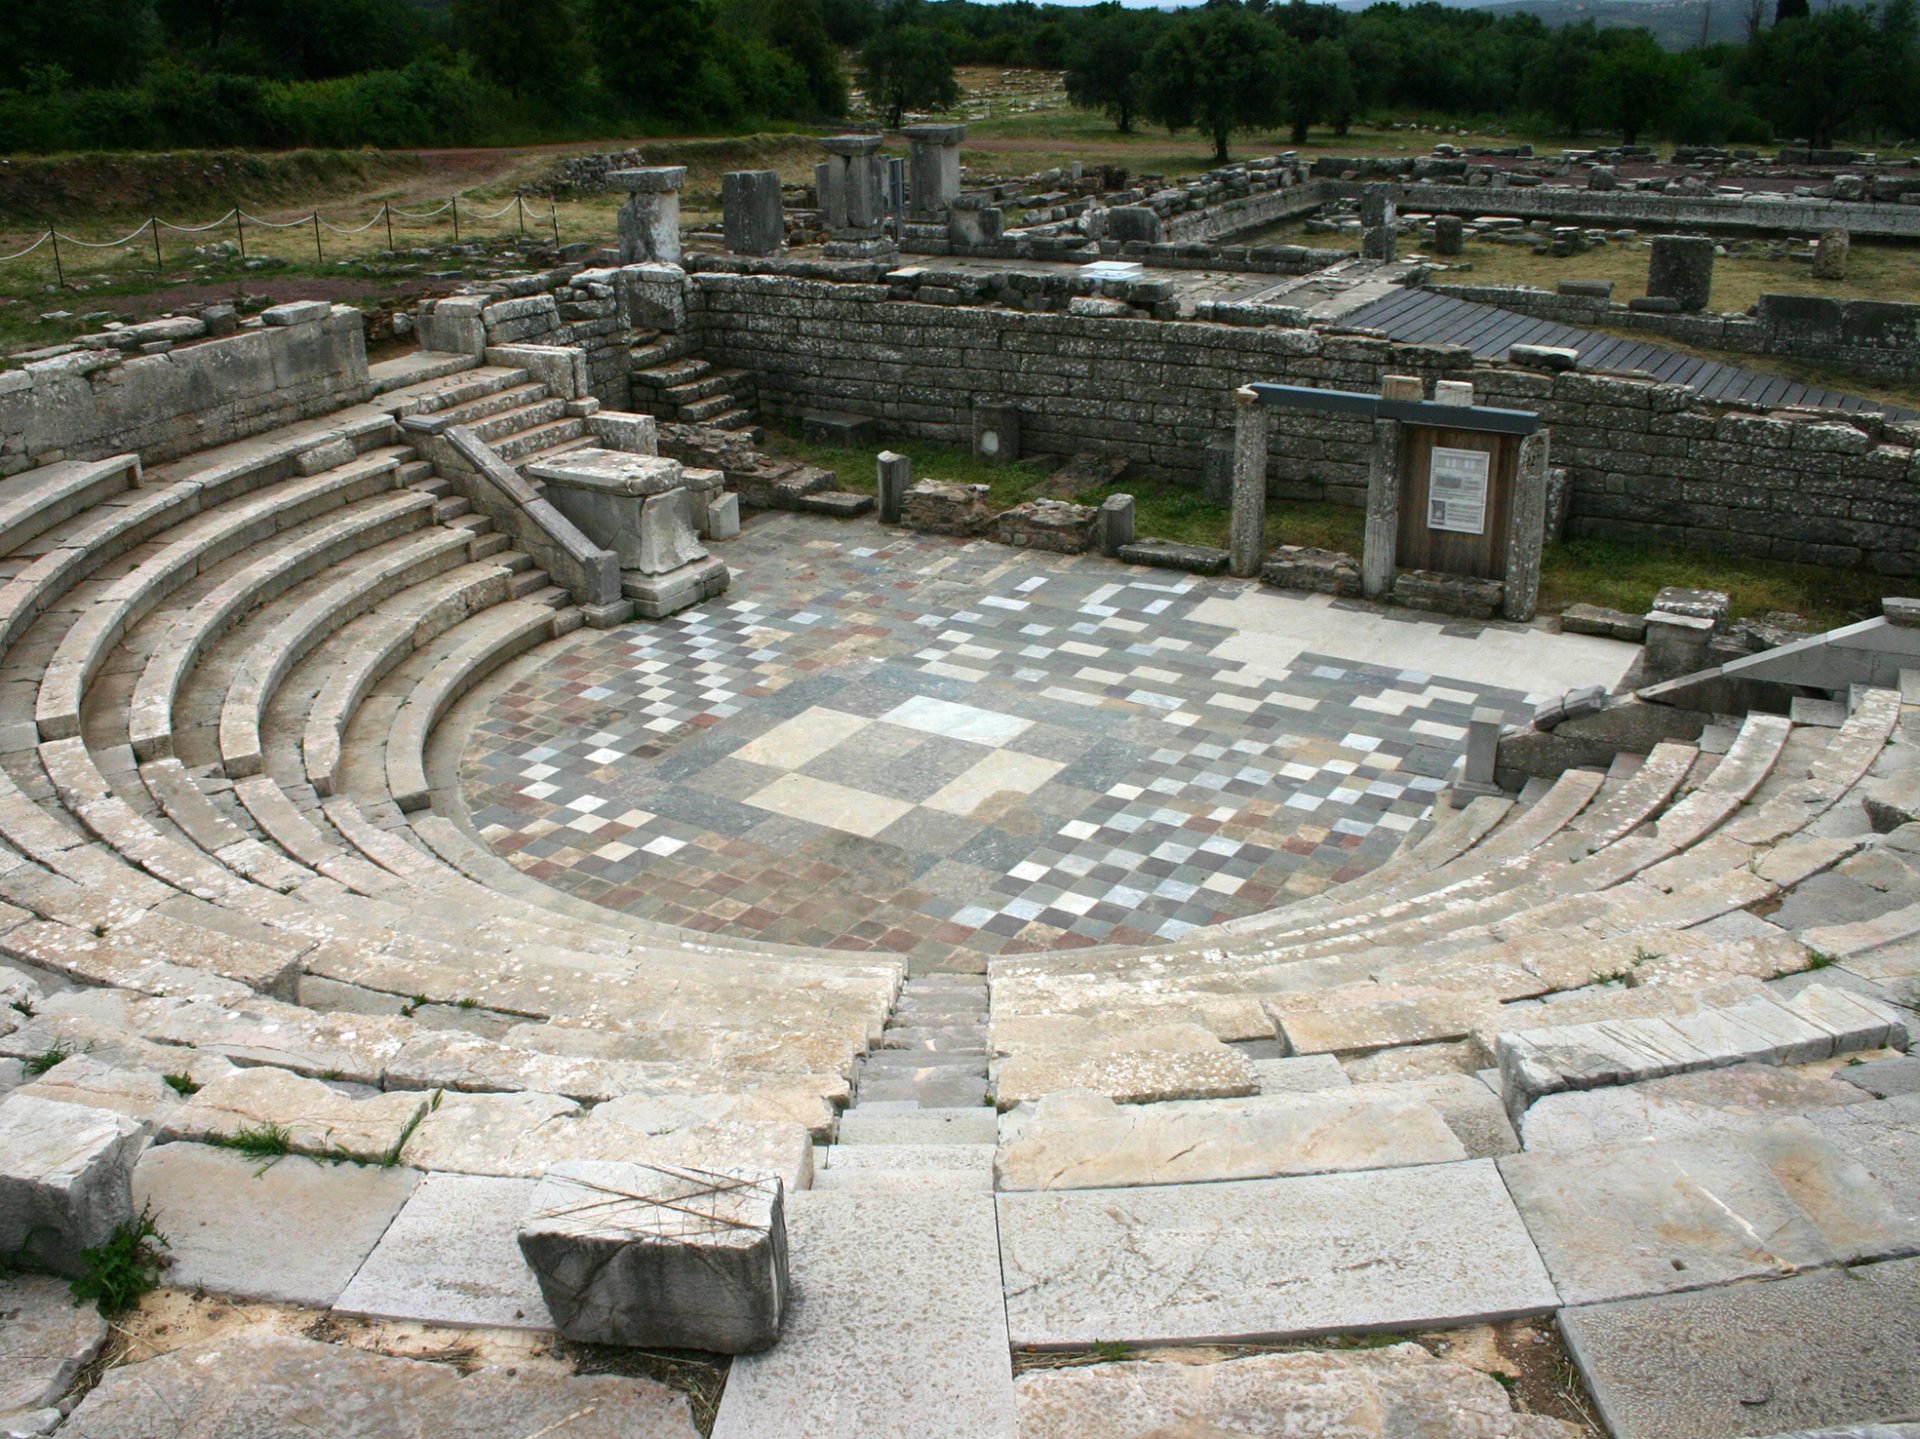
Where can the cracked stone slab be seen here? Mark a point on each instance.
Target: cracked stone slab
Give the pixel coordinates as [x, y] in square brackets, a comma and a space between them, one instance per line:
[1076, 1139]
[1131, 1064]
[452, 1256]
[1399, 1392]
[1744, 1096]
[1389, 1248]
[271, 1387]
[871, 1346]
[1836, 1347]
[292, 1230]
[318, 1118]
[46, 1338]
[1640, 1218]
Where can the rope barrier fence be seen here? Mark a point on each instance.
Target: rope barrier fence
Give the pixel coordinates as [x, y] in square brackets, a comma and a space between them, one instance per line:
[238, 219]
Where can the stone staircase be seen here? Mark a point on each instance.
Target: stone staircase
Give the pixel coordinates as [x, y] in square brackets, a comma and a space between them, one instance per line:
[672, 383]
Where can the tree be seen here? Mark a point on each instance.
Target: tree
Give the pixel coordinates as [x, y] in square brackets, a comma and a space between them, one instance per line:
[1812, 71]
[1105, 73]
[908, 66]
[1220, 69]
[1791, 10]
[1894, 81]
[651, 53]
[795, 30]
[1633, 82]
[527, 49]
[1319, 87]
[1556, 83]
[103, 42]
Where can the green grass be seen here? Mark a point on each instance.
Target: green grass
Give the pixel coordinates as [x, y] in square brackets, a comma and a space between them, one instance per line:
[127, 1266]
[259, 1141]
[182, 1084]
[1612, 573]
[1625, 576]
[38, 1064]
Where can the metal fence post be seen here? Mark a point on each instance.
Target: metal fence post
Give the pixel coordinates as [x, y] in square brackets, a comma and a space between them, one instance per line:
[158, 263]
[318, 254]
[59, 270]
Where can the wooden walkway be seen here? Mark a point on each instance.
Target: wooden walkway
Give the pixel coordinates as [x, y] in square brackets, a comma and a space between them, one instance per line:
[1418, 316]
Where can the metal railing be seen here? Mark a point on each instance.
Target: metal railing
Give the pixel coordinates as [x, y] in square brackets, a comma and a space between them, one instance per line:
[238, 219]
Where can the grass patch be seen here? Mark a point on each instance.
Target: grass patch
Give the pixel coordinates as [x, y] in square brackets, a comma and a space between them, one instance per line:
[38, 1064]
[124, 1268]
[182, 1084]
[259, 1141]
[1625, 576]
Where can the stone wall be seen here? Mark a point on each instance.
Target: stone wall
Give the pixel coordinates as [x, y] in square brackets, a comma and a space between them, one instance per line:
[1645, 460]
[1610, 209]
[309, 358]
[1868, 337]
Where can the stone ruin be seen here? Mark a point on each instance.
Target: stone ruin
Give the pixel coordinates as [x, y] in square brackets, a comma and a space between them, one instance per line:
[420, 866]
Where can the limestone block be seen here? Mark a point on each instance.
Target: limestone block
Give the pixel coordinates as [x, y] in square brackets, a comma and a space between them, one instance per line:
[1131, 1063]
[1448, 594]
[629, 433]
[1301, 567]
[667, 540]
[1114, 526]
[1701, 604]
[66, 1179]
[1133, 222]
[296, 312]
[317, 1117]
[1449, 235]
[939, 507]
[1397, 1392]
[1676, 646]
[723, 516]
[894, 477]
[45, 1340]
[140, 1094]
[1830, 253]
[1077, 1139]
[266, 1386]
[660, 1255]
[1055, 525]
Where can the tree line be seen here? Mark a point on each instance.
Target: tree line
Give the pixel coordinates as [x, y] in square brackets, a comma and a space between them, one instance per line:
[88, 74]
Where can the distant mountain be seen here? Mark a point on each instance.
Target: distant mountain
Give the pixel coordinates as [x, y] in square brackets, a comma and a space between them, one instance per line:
[1676, 24]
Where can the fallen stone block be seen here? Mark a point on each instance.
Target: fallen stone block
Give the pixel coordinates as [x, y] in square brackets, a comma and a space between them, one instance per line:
[1057, 525]
[1597, 620]
[660, 1255]
[838, 429]
[1301, 567]
[1167, 555]
[1449, 594]
[66, 1179]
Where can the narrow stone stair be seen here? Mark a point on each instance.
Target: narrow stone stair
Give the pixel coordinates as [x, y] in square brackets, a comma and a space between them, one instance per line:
[671, 383]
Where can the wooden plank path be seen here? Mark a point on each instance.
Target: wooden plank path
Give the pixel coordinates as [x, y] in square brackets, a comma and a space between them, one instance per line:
[1423, 317]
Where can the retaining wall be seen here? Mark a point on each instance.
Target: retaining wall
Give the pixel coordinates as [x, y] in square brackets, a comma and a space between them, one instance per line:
[95, 403]
[1609, 209]
[1645, 460]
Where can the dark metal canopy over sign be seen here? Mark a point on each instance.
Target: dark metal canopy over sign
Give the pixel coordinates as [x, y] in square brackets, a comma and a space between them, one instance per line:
[1412, 412]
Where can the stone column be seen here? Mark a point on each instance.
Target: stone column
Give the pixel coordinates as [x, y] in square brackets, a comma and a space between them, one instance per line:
[650, 220]
[1527, 532]
[851, 197]
[1379, 239]
[1247, 532]
[895, 477]
[1483, 754]
[935, 161]
[1380, 553]
[750, 212]
[1681, 270]
[1114, 525]
[1449, 235]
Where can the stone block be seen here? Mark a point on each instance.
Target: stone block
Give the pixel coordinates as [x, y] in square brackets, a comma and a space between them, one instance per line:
[1544, 357]
[939, 507]
[296, 312]
[1830, 254]
[1702, 604]
[1133, 222]
[659, 1255]
[1830, 1348]
[723, 516]
[316, 1117]
[66, 1179]
[291, 1231]
[254, 1385]
[1598, 620]
[1113, 530]
[46, 1339]
[1448, 594]
[1057, 525]
[628, 433]
[1904, 613]
[839, 429]
[1676, 646]
[750, 212]
[1169, 555]
[1681, 270]
[894, 477]
[1385, 1249]
[1449, 235]
[1299, 567]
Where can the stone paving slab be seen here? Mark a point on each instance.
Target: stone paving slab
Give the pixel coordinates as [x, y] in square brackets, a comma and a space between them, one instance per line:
[271, 1387]
[452, 1256]
[910, 1124]
[46, 1337]
[1268, 1258]
[291, 1230]
[1639, 1218]
[895, 1328]
[1076, 1139]
[1399, 1392]
[1840, 1346]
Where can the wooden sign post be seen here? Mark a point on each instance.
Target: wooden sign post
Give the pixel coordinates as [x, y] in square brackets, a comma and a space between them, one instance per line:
[1452, 486]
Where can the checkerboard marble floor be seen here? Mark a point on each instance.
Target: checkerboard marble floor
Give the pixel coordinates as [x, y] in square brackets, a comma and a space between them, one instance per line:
[884, 741]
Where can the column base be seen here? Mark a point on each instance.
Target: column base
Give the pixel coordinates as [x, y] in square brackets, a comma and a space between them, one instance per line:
[657, 596]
